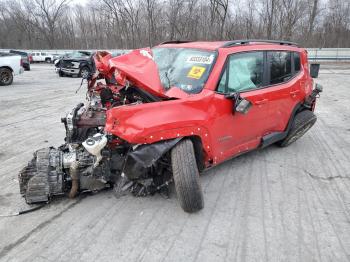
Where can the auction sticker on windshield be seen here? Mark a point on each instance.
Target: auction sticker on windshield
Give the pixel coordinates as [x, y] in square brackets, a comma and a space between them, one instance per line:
[196, 72]
[200, 59]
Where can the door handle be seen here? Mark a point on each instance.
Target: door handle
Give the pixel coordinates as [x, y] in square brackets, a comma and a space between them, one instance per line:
[261, 102]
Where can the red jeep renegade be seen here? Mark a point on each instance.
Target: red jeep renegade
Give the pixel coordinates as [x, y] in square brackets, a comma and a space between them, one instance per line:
[162, 115]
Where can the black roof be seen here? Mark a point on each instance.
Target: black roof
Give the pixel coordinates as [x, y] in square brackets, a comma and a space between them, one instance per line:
[19, 52]
[248, 41]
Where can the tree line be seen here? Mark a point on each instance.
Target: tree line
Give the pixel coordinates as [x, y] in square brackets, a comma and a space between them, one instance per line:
[128, 24]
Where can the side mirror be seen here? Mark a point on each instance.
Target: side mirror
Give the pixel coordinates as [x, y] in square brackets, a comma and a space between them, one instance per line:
[232, 95]
[241, 105]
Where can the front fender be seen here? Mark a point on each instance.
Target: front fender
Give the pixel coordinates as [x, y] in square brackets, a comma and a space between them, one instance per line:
[152, 122]
[83, 64]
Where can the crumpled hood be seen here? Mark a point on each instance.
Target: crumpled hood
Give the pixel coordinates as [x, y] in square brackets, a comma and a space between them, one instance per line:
[136, 67]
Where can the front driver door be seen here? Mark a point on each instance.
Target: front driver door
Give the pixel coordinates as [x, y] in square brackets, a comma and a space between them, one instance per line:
[234, 132]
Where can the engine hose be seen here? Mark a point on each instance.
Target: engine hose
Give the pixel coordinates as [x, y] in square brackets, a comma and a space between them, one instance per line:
[74, 174]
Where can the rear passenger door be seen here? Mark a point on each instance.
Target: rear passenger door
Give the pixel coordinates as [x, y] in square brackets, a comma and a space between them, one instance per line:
[283, 85]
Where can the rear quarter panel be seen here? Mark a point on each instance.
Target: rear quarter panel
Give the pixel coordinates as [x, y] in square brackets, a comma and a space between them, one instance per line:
[309, 82]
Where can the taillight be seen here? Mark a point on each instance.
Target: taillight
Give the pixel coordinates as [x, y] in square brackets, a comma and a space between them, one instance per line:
[22, 62]
[30, 58]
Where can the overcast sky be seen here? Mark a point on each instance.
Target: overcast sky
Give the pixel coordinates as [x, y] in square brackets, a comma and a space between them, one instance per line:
[82, 2]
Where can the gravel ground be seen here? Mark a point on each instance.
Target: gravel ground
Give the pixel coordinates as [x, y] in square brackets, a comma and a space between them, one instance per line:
[290, 204]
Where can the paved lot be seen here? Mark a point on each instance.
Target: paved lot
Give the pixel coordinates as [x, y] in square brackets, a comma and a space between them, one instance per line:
[290, 204]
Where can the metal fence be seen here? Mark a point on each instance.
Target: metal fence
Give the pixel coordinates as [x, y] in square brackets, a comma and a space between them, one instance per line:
[329, 54]
[315, 54]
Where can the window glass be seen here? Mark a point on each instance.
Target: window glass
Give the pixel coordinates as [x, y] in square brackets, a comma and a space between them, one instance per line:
[296, 62]
[280, 67]
[43, 53]
[245, 72]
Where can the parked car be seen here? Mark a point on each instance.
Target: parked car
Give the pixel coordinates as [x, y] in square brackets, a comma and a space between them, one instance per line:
[25, 58]
[10, 65]
[74, 64]
[56, 57]
[42, 57]
[165, 115]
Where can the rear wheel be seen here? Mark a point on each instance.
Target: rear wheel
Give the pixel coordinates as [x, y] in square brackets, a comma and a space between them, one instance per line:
[303, 121]
[48, 60]
[186, 177]
[6, 77]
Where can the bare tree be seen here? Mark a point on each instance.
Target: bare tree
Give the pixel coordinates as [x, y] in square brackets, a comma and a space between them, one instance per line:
[34, 24]
[45, 15]
[218, 15]
[314, 8]
[270, 6]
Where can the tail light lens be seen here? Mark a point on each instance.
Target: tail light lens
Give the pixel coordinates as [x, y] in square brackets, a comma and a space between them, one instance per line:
[22, 62]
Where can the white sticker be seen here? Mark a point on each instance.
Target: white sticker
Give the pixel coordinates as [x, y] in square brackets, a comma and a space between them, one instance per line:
[200, 59]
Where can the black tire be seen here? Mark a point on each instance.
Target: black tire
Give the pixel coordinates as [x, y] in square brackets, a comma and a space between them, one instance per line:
[186, 177]
[6, 77]
[48, 60]
[84, 72]
[61, 74]
[303, 121]
[26, 67]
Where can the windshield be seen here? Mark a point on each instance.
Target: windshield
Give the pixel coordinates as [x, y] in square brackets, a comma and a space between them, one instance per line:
[184, 68]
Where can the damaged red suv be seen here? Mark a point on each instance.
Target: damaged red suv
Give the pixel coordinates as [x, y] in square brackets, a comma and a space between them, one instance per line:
[162, 115]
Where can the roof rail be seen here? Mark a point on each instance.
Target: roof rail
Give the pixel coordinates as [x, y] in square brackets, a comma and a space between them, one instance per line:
[175, 42]
[247, 41]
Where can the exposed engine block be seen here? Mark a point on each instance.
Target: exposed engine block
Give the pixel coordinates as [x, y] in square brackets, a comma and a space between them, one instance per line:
[43, 176]
[93, 160]
[53, 171]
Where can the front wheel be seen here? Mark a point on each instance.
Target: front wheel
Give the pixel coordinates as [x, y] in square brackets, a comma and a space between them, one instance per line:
[303, 121]
[84, 72]
[6, 77]
[186, 177]
[60, 73]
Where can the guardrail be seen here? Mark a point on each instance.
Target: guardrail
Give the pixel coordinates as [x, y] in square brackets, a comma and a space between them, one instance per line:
[314, 54]
[329, 54]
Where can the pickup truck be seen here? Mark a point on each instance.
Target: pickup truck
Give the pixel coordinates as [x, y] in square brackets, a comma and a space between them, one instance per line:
[10, 65]
[42, 57]
[77, 63]
[26, 58]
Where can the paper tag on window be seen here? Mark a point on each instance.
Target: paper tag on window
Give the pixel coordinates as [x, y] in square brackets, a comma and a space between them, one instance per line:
[196, 72]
